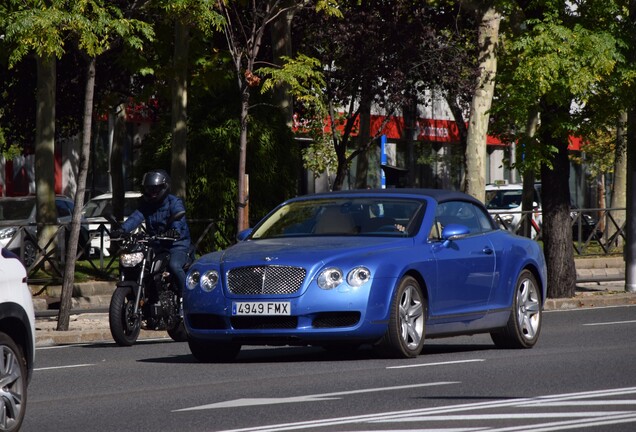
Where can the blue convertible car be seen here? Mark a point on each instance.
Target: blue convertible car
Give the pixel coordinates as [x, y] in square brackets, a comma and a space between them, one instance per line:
[385, 267]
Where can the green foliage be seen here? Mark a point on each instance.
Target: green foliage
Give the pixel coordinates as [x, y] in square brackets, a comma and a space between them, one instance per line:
[35, 27]
[213, 154]
[306, 82]
[43, 29]
[557, 59]
[200, 14]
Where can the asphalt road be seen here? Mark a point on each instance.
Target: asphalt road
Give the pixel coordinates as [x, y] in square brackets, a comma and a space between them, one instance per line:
[580, 376]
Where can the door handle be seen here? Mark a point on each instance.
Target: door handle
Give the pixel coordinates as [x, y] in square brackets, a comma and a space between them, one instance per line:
[487, 250]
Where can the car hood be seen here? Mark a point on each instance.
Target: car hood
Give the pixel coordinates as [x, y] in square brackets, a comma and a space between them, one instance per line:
[297, 251]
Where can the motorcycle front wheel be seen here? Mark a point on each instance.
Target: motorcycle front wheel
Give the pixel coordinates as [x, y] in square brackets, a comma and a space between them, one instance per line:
[124, 324]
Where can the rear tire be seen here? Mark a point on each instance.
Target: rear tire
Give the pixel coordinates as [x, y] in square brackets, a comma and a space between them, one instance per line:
[213, 352]
[13, 375]
[29, 254]
[124, 325]
[405, 335]
[524, 324]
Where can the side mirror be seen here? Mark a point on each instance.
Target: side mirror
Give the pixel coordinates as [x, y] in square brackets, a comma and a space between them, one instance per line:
[244, 234]
[453, 232]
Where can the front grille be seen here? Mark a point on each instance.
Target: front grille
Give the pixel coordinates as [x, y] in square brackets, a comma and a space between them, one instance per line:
[264, 322]
[265, 280]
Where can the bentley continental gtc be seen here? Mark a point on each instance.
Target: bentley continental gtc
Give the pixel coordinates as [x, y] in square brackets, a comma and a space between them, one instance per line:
[386, 268]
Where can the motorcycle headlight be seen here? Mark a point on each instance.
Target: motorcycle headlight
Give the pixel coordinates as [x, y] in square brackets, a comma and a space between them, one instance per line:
[131, 259]
[358, 276]
[330, 278]
[209, 280]
[6, 233]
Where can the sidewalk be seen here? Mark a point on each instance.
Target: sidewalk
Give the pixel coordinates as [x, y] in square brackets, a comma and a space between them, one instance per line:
[89, 317]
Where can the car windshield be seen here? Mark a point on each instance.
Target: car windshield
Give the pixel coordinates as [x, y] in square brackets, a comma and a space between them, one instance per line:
[503, 199]
[362, 216]
[16, 209]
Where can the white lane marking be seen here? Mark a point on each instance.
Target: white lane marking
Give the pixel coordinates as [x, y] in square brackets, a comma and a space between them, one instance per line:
[610, 323]
[435, 364]
[307, 398]
[63, 367]
[522, 402]
[504, 416]
[572, 424]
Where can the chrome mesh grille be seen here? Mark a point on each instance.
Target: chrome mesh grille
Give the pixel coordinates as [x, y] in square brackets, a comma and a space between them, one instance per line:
[265, 280]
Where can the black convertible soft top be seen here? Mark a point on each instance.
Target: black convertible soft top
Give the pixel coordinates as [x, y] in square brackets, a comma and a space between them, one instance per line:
[439, 195]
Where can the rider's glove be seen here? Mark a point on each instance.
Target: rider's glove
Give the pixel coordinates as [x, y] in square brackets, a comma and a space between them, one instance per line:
[117, 233]
[172, 233]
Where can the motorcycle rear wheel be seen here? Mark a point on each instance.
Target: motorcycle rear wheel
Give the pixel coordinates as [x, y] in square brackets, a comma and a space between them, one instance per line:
[124, 325]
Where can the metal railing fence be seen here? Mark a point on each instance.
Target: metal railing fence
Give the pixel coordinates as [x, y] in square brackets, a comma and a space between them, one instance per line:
[595, 231]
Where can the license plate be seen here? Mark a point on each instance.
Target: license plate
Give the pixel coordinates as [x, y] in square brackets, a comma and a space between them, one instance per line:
[261, 308]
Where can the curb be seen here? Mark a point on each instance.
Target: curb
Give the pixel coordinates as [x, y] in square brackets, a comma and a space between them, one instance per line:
[591, 300]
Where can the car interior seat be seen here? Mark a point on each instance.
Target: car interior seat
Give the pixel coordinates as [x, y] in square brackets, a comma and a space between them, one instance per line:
[334, 221]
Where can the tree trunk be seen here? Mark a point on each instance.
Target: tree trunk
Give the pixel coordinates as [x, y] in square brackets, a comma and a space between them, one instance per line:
[71, 252]
[527, 201]
[488, 40]
[282, 46]
[630, 246]
[409, 113]
[45, 151]
[117, 161]
[365, 159]
[243, 198]
[619, 192]
[179, 109]
[557, 224]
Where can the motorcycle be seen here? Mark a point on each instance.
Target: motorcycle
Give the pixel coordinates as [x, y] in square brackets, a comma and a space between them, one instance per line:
[146, 296]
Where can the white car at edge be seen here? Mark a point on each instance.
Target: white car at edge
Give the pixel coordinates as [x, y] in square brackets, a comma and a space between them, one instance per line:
[17, 341]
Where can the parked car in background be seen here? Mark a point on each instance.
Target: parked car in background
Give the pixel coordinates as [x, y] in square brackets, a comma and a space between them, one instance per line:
[18, 231]
[504, 203]
[95, 212]
[17, 341]
[386, 267]
[585, 226]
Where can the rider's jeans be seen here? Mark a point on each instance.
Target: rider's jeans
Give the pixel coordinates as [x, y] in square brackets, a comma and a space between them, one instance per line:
[178, 258]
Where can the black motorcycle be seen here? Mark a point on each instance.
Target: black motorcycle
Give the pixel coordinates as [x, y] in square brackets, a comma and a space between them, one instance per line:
[146, 296]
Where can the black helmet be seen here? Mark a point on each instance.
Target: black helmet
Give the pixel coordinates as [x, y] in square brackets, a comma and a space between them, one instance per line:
[155, 185]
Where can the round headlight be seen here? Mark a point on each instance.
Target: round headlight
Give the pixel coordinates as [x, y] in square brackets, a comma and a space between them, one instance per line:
[209, 280]
[358, 276]
[131, 259]
[330, 278]
[193, 279]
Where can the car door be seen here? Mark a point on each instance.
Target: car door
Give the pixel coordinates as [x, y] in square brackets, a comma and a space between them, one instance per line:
[465, 265]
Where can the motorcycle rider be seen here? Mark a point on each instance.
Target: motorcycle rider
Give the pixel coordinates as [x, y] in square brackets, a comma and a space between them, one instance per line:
[156, 207]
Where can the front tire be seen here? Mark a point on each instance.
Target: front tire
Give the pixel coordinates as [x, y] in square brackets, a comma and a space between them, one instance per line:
[405, 335]
[213, 352]
[524, 324]
[124, 325]
[13, 393]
